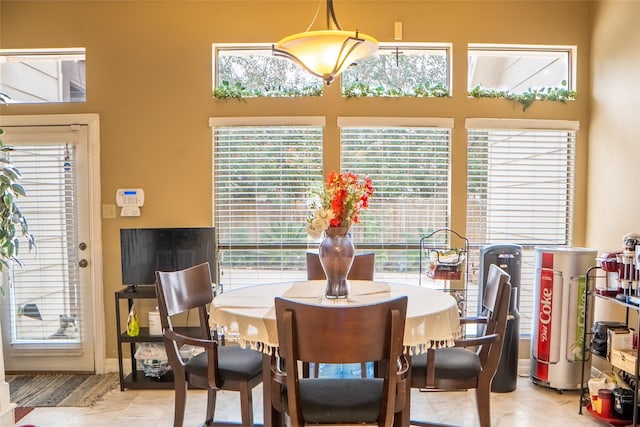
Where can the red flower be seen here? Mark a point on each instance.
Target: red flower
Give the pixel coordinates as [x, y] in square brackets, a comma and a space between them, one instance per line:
[345, 196]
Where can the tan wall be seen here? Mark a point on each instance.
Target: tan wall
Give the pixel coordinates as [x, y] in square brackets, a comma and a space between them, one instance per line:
[149, 78]
[614, 143]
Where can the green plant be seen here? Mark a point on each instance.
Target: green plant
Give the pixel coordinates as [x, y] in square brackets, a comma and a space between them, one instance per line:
[227, 90]
[527, 98]
[422, 90]
[13, 224]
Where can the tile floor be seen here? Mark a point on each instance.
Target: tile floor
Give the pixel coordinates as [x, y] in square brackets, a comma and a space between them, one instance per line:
[528, 406]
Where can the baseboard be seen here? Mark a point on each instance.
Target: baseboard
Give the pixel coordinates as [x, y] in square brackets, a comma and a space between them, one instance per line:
[111, 365]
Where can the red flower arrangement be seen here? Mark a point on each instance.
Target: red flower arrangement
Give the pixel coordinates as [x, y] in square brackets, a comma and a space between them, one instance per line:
[343, 197]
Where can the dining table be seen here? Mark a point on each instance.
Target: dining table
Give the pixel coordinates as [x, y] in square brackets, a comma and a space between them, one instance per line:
[247, 316]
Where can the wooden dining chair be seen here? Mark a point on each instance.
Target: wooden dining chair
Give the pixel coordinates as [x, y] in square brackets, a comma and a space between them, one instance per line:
[472, 362]
[334, 334]
[217, 367]
[363, 268]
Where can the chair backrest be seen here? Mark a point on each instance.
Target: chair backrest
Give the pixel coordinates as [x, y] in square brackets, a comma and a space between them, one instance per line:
[342, 334]
[363, 267]
[498, 311]
[495, 275]
[184, 290]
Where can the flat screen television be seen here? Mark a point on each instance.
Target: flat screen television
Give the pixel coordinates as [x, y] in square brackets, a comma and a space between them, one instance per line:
[147, 250]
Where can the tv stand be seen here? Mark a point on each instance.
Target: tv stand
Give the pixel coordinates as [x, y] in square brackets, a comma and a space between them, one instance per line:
[138, 288]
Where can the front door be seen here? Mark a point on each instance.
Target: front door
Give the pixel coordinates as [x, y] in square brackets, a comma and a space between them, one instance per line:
[47, 315]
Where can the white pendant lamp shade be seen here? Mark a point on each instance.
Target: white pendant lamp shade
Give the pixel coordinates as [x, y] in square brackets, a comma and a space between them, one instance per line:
[326, 53]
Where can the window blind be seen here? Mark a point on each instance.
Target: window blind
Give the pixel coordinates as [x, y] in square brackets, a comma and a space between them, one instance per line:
[409, 166]
[520, 189]
[45, 299]
[263, 180]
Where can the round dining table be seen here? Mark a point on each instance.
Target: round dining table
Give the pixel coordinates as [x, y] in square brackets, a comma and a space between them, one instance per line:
[247, 316]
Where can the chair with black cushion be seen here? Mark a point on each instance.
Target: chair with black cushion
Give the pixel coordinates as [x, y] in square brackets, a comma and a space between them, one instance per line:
[217, 367]
[473, 361]
[362, 268]
[333, 334]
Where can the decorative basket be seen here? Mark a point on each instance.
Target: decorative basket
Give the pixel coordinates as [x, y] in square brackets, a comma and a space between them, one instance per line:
[446, 264]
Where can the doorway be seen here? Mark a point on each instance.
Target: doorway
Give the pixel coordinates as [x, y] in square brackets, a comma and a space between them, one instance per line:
[52, 310]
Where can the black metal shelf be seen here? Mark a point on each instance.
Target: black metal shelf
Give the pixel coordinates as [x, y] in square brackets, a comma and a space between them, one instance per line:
[144, 335]
[590, 294]
[136, 379]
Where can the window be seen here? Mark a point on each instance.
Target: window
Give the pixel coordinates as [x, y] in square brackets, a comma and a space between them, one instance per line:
[263, 177]
[408, 161]
[250, 71]
[400, 70]
[520, 189]
[410, 69]
[42, 75]
[518, 69]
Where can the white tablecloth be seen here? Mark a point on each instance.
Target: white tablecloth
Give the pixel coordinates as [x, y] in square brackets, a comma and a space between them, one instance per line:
[248, 314]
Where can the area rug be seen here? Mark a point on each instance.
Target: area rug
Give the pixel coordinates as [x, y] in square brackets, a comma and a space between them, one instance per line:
[22, 411]
[60, 390]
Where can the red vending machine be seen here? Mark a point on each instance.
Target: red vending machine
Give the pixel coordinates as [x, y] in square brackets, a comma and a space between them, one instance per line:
[558, 317]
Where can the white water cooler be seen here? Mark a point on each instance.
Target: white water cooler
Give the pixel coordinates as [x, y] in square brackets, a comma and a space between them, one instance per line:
[558, 317]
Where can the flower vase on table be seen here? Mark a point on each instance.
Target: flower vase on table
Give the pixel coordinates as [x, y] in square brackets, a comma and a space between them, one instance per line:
[338, 206]
[336, 256]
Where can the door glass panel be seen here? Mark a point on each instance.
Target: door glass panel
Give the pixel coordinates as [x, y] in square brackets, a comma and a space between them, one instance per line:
[44, 293]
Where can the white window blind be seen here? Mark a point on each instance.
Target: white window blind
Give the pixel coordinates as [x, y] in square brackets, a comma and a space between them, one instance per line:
[45, 300]
[409, 166]
[520, 189]
[263, 177]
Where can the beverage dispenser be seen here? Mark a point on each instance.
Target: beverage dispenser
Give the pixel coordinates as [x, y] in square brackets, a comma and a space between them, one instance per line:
[559, 317]
[507, 257]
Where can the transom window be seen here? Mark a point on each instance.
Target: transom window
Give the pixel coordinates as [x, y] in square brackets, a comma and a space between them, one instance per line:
[400, 70]
[517, 69]
[252, 70]
[42, 75]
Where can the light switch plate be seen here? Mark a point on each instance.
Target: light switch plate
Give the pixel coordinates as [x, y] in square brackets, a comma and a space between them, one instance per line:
[109, 211]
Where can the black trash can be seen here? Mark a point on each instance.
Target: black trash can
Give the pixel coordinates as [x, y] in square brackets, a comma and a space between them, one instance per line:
[508, 257]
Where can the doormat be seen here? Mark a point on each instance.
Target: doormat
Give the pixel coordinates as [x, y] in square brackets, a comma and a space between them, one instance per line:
[47, 390]
[22, 411]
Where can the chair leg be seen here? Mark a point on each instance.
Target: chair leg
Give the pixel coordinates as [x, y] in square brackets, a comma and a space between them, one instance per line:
[180, 404]
[483, 401]
[305, 369]
[212, 393]
[246, 405]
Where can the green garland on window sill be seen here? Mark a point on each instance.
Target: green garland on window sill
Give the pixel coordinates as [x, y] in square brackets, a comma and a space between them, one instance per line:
[226, 90]
[526, 98]
[424, 90]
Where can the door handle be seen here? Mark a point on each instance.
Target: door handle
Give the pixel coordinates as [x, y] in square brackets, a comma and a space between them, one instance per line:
[83, 263]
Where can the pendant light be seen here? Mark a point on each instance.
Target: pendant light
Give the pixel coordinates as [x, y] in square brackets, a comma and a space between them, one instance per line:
[326, 53]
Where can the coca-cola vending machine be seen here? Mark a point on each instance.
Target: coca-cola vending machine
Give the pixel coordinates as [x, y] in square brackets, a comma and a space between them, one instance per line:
[558, 317]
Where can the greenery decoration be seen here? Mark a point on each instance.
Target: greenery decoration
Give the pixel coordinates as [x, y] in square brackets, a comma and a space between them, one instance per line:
[13, 223]
[423, 90]
[526, 98]
[227, 90]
